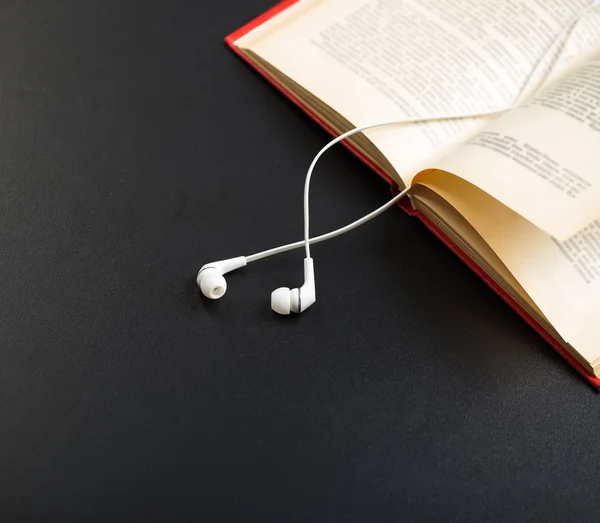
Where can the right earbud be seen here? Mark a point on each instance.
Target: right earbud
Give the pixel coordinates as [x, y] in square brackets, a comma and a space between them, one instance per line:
[285, 300]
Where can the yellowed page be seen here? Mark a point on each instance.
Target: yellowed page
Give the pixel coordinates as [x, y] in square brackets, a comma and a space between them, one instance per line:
[543, 160]
[382, 60]
[562, 278]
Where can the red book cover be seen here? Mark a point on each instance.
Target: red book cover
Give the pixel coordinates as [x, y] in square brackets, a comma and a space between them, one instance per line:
[282, 6]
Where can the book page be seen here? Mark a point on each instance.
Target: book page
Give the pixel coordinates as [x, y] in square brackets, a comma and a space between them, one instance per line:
[543, 159]
[561, 277]
[382, 60]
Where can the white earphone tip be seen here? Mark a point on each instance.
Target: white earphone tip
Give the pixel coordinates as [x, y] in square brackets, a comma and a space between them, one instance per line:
[212, 284]
[280, 300]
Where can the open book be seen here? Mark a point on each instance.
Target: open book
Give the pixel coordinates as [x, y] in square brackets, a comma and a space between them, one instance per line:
[515, 193]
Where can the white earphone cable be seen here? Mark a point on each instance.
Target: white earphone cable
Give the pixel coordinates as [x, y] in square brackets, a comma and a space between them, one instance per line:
[307, 242]
[329, 235]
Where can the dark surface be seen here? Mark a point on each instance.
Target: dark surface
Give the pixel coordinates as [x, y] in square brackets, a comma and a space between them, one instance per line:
[134, 148]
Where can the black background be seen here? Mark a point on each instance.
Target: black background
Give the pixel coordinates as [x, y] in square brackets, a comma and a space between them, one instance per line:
[134, 147]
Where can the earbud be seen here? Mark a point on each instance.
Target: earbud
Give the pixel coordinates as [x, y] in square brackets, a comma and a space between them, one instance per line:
[284, 300]
[210, 276]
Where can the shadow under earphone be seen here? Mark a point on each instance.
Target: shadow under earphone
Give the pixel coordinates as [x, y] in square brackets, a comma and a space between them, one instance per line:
[196, 301]
[268, 314]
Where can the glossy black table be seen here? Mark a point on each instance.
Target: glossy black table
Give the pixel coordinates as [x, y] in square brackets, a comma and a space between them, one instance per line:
[134, 147]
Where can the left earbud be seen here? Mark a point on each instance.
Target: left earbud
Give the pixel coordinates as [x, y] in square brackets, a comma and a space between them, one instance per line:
[210, 277]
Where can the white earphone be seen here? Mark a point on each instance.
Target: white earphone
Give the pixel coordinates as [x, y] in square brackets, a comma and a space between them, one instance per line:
[283, 300]
[211, 279]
